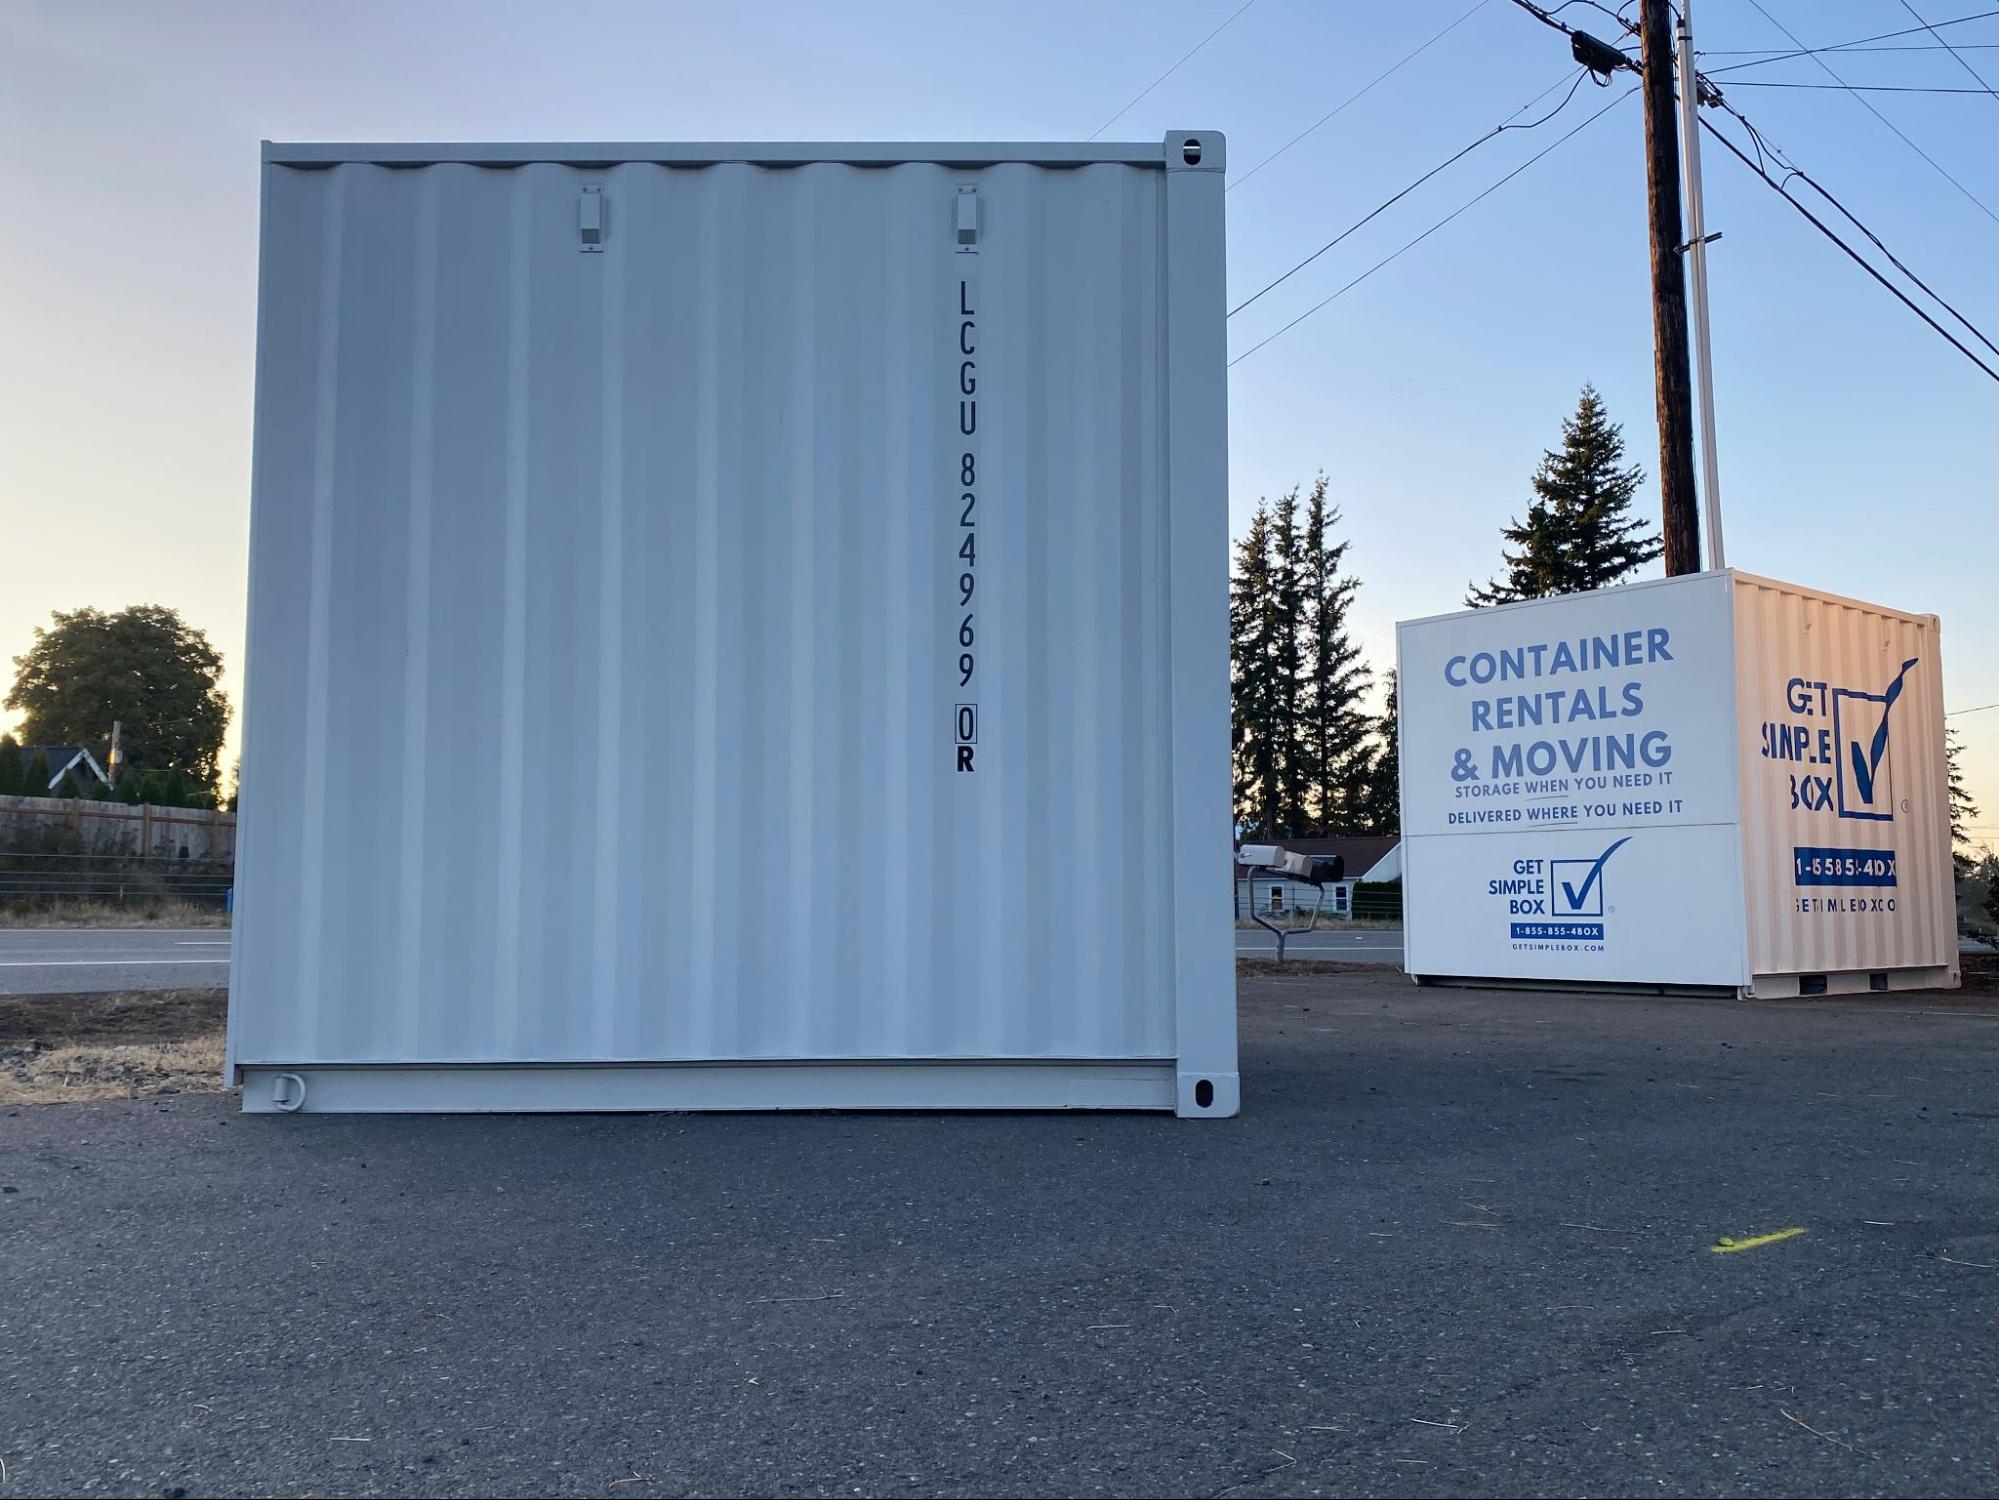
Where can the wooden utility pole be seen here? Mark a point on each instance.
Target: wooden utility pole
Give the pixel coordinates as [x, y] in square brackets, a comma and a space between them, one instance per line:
[1680, 526]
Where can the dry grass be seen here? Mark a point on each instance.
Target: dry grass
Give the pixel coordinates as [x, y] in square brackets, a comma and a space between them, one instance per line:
[66, 1075]
[1980, 972]
[164, 912]
[1316, 966]
[120, 1045]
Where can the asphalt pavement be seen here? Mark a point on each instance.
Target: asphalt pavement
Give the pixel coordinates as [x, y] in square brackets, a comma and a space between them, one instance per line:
[79, 960]
[1331, 941]
[1459, 1242]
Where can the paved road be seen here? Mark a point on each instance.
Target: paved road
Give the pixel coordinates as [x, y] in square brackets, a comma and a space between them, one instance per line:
[78, 960]
[1459, 1243]
[1331, 940]
[63, 960]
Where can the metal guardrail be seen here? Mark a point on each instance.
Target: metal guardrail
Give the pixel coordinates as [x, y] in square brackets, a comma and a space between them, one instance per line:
[1380, 901]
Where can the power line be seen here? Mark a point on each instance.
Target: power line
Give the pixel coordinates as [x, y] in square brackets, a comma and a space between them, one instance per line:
[1857, 258]
[1978, 710]
[1780, 55]
[1854, 88]
[1547, 17]
[1854, 45]
[1951, 50]
[1246, 4]
[1457, 156]
[1351, 98]
[1412, 244]
[1793, 170]
[1827, 68]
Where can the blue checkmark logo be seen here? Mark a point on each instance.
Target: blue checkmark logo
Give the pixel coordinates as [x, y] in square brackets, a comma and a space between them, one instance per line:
[1577, 892]
[1864, 768]
[1862, 774]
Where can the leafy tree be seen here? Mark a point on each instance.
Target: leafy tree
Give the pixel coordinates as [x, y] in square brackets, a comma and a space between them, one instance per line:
[1335, 757]
[1579, 533]
[12, 782]
[143, 665]
[1991, 868]
[1962, 809]
[35, 780]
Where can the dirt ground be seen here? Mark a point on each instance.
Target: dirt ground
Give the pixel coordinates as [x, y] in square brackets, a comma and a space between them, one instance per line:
[119, 1045]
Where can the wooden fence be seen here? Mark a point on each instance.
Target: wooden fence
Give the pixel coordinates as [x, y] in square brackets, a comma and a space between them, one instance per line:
[75, 826]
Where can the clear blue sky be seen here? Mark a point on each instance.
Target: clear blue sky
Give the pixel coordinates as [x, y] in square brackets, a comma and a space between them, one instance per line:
[1859, 453]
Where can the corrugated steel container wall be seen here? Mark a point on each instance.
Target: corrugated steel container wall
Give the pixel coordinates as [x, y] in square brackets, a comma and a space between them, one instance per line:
[1797, 651]
[596, 595]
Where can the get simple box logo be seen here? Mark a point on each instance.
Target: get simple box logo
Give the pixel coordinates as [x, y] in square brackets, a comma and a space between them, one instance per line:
[1556, 902]
[1839, 739]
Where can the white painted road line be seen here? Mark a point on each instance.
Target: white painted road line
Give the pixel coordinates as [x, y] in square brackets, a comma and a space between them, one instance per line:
[202, 942]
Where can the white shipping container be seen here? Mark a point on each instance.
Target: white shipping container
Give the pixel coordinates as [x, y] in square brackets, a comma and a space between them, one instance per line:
[639, 530]
[1712, 780]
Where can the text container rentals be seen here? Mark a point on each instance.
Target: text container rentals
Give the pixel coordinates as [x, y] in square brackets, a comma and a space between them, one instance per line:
[1708, 780]
[738, 627]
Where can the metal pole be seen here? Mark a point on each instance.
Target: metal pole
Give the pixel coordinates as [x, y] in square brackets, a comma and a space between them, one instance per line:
[1690, 160]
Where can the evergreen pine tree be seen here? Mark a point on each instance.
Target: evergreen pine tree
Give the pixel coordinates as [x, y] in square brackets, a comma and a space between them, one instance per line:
[1253, 748]
[1288, 563]
[1333, 748]
[1962, 808]
[1991, 869]
[1579, 533]
[1383, 809]
[131, 786]
[11, 780]
[173, 789]
[35, 781]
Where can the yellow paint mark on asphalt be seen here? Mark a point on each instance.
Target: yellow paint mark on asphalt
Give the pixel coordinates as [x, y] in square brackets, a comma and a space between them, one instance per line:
[1728, 1246]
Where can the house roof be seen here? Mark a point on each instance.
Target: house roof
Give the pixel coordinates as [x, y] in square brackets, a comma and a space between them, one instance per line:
[1362, 852]
[62, 759]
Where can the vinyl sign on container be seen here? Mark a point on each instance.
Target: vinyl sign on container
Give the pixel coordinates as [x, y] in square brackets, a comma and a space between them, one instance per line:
[1846, 833]
[1568, 784]
[1707, 780]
